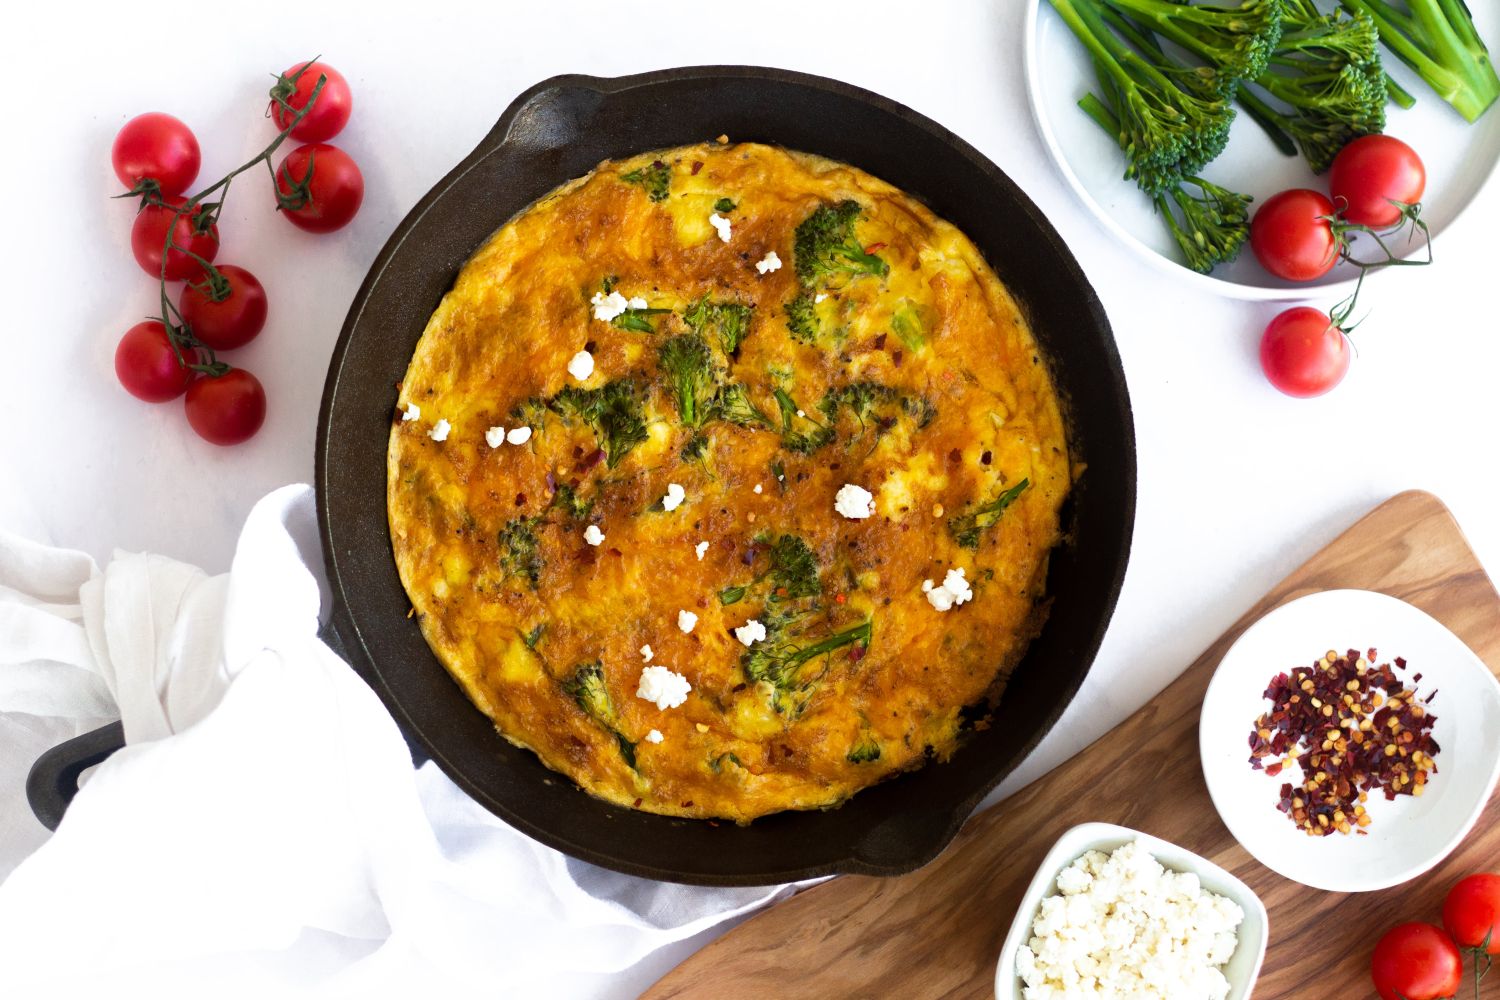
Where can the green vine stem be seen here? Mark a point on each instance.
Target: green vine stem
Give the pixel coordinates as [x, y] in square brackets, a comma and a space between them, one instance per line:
[1344, 233]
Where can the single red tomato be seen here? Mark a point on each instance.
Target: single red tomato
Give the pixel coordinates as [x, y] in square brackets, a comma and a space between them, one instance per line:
[1416, 961]
[148, 236]
[330, 112]
[1291, 236]
[1472, 913]
[147, 366]
[231, 321]
[320, 187]
[1303, 353]
[1370, 174]
[156, 147]
[226, 409]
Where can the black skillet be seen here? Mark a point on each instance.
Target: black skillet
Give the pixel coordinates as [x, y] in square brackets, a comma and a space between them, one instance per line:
[558, 130]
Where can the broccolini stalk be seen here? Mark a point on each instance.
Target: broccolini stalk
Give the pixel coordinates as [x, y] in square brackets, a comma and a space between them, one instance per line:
[1437, 39]
[732, 404]
[968, 528]
[586, 687]
[779, 661]
[1239, 40]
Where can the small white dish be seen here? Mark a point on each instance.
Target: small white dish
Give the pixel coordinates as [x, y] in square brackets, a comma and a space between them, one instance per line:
[1405, 837]
[1243, 966]
[1460, 159]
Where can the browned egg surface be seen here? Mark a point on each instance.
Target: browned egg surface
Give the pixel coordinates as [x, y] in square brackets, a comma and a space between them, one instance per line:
[895, 362]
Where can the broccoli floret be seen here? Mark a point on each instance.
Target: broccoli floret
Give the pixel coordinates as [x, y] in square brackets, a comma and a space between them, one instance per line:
[877, 407]
[696, 449]
[800, 434]
[966, 529]
[732, 404]
[779, 660]
[1437, 39]
[615, 412]
[586, 687]
[794, 569]
[520, 552]
[802, 317]
[531, 413]
[1238, 40]
[656, 178]
[724, 205]
[824, 246]
[729, 321]
[1169, 126]
[567, 500]
[864, 750]
[691, 375]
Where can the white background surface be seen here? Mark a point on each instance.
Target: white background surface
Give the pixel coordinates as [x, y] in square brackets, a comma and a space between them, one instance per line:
[1237, 484]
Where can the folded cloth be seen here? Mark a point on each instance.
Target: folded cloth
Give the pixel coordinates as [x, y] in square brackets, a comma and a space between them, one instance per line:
[263, 833]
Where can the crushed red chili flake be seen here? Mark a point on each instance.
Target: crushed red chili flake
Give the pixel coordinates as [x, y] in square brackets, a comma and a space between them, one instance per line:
[1352, 728]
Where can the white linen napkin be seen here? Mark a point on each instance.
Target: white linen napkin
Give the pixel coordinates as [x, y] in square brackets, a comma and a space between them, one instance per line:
[264, 832]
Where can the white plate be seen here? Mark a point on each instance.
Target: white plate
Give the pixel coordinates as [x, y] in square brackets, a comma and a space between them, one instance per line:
[1460, 158]
[1405, 837]
[1243, 966]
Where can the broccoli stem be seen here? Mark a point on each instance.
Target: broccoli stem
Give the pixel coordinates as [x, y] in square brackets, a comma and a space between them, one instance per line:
[1267, 118]
[1437, 39]
[1398, 93]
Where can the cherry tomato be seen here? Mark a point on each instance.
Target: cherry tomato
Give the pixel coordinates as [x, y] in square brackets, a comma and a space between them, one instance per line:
[226, 409]
[1303, 353]
[330, 112]
[1290, 239]
[1416, 962]
[230, 322]
[149, 233]
[1472, 913]
[156, 147]
[324, 184]
[1372, 172]
[147, 366]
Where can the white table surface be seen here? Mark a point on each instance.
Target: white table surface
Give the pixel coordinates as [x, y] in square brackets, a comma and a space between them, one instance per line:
[1237, 483]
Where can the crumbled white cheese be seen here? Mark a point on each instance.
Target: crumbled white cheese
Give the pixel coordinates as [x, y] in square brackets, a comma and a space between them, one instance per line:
[440, 430]
[700, 549]
[646, 652]
[412, 412]
[593, 535]
[1122, 926]
[854, 502]
[750, 633]
[518, 435]
[663, 686]
[636, 302]
[801, 414]
[494, 437]
[686, 620]
[607, 307]
[953, 591]
[581, 366]
[721, 224]
[770, 262]
[820, 297]
[675, 495]
[757, 488]
[654, 736]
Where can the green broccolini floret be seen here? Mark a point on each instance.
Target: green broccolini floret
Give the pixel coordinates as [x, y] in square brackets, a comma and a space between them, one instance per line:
[696, 449]
[824, 246]
[800, 433]
[615, 411]
[691, 376]
[732, 404]
[864, 750]
[567, 500]
[656, 178]
[531, 412]
[781, 661]
[802, 317]
[1238, 40]
[520, 552]
[728, 321]
[967, 529]
[876, 406]
[794, 569]
[586, 687]
[1437, 39]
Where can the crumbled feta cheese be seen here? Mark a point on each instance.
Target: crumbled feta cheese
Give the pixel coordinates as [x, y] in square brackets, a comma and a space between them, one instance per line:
[593, 535]
[663, 686]
[654, 736]
[607, 307]
[854, 502]
[1120, 925]
[494, 437]
[675, 495]
[700, 549]
[757, 487]
[750, 633]
[721, 224]
[953, 591]
[820, 297]
[770, 262]
[636, 302]
[581, 366]
[686, 620]
[440, 430]
[412, 412]
[518, 435]
[646, 652]
[801, 414]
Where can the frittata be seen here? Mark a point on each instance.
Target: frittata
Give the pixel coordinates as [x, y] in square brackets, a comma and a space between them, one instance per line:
[725, 479]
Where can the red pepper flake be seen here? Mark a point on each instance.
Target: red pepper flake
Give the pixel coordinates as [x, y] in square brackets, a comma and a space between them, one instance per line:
[697, 166]
[896, 359]
[856, 653]
[839, 598]
[955, 456]
[587, 463]
[615, 552]
[874, 247]
[520, 499]
[880, 342]
[985, 458]
[781, 591]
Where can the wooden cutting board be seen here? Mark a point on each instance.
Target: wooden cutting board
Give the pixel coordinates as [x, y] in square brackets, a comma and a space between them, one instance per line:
[937, 932]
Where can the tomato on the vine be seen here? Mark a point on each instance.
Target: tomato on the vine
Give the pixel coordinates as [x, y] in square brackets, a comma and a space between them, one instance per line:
[228, 408]
[156, 147]
[1471, 913]
[148, 235]
[1292, 237]
[1416, 961]
[319, 187]
[330, 112]
[231, 321]
[1371, 175]
[1304, 353]
[147, 366]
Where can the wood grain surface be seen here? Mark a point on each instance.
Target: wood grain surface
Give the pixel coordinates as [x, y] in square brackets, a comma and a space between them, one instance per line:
[937, 932]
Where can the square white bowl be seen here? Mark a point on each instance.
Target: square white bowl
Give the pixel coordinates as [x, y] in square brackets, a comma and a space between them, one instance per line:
[1243, 966]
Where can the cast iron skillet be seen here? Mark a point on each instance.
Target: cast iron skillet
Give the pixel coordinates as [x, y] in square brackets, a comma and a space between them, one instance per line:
[558, 130]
